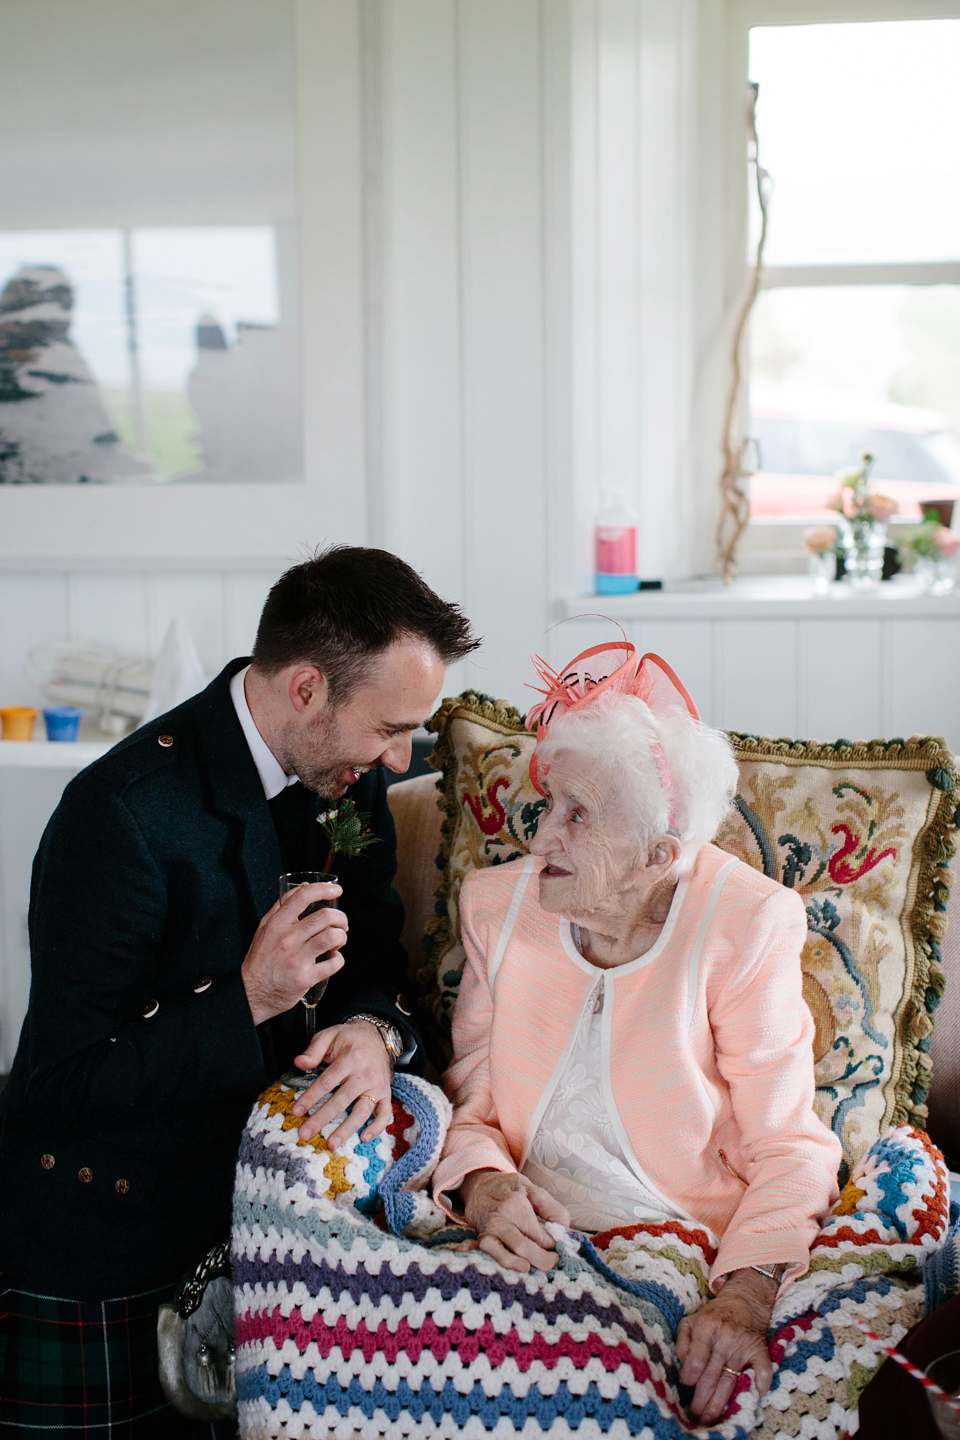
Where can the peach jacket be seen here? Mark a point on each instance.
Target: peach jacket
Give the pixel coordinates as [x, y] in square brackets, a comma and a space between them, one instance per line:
[707, 1052]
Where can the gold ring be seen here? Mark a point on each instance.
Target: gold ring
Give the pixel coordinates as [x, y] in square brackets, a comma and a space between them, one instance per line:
[365, 1096]
[729, 1371]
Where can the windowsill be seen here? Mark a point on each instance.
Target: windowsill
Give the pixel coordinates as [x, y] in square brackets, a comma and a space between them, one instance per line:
[764, 596]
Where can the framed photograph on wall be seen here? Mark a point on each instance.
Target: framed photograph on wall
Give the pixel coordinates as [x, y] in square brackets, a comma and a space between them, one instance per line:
[159, 340]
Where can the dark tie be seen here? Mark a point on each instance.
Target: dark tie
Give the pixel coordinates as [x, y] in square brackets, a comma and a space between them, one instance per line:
[293, 813]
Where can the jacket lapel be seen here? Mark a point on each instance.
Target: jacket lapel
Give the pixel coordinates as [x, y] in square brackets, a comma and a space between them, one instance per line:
[236, 789]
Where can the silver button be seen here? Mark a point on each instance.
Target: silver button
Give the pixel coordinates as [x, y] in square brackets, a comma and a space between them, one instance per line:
[150, 1009]
[200, 985]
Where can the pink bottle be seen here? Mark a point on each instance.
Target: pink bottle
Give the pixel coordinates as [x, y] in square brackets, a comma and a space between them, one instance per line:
[616, 548]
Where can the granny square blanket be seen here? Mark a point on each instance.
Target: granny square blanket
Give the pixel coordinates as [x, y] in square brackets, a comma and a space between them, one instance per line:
[358, 1313]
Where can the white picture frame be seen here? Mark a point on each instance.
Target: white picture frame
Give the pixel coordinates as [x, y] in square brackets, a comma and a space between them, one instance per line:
[54, 525]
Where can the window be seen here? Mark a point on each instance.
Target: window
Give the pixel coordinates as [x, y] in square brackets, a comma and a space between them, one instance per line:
[854, 340]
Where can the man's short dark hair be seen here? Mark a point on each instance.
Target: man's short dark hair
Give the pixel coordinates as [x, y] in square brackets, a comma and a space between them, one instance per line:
[346, 606]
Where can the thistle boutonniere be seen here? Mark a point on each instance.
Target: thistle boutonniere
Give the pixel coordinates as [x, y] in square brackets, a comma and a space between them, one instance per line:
[346, 829]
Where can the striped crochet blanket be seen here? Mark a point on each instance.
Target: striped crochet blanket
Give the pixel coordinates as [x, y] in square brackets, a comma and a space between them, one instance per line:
[358, 1314]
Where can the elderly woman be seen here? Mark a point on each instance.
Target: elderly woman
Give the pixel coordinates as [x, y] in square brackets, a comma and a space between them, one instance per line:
[631, 1042]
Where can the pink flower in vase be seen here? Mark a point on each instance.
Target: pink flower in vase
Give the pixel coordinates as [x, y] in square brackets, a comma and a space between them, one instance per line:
[819, 539]
[947, 542]
[835, 503]
[881, 507]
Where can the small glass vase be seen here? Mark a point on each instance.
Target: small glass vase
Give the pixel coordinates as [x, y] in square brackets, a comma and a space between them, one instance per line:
[864, 541]
[945, 576]
[822, 569]
[924, 571]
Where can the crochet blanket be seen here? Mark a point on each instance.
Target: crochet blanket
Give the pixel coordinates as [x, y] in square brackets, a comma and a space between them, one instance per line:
[357, 1313]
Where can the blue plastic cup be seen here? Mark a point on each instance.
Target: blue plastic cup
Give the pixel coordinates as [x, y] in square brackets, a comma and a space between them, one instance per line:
[62, 722]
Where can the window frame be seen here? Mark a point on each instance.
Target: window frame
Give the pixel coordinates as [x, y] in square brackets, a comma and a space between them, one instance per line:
[776, 544]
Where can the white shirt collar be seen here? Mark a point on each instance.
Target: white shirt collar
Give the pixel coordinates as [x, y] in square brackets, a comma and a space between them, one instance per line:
[273, 777]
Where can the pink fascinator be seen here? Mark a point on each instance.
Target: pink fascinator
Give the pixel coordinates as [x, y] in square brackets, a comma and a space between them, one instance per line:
[613, 668]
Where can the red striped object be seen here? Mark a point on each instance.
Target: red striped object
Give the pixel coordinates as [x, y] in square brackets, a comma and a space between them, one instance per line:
[952, 1401]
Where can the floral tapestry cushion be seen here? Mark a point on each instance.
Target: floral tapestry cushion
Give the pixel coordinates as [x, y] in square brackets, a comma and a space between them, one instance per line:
[864, 832]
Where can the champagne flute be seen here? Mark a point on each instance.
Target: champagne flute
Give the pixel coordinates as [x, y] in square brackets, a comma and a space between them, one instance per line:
[945, 1372]
[294, 880]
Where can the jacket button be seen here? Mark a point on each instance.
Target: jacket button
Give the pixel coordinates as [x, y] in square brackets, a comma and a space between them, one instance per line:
[165, 740]
[150, 1009]
[85, 1176]
[401, 1003]
[47, 1161]
[122, 1187]
[200, 985]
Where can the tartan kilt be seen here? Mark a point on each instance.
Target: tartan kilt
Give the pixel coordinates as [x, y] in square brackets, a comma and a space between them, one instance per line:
[79, 1367]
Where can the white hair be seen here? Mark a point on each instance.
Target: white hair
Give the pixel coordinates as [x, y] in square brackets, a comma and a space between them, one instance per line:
[618, 731]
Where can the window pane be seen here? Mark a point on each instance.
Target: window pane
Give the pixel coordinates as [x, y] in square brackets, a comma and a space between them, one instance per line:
[859, 127]
[836, 371]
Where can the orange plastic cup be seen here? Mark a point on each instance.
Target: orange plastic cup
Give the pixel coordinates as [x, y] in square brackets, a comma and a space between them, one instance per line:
[17, 721]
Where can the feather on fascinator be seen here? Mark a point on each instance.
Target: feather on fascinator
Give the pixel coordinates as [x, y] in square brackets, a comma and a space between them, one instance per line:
[611, 668]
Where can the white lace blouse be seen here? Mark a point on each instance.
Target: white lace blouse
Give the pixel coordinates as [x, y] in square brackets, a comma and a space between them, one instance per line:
[575, 1154]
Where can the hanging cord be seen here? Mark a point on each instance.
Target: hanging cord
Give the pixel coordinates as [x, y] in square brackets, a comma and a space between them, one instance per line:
[734, 495]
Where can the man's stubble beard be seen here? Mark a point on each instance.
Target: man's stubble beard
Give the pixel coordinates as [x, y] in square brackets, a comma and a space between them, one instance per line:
[316, 755]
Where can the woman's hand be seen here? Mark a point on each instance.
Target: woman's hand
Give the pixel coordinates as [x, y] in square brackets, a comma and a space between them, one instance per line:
[506, 1210]
[729, 1331]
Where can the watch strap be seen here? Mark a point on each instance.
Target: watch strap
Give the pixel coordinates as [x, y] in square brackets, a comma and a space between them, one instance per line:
[772, 1272]
[389, 1034]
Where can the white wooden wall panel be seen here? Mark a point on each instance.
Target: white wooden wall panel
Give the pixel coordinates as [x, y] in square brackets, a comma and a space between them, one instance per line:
[116, 604]
[569, 510]
[660, 278]
[920, 678]
[331, 264]
[839, 680]
[32, 608]
[756, 676]
[244, 594]
[808, 677]
[422, 334]
[583, 291]
[620, 227]
[197, 599]
[503, 328]
[687, 645]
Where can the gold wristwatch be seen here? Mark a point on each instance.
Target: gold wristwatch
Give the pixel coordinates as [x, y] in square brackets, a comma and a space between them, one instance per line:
[389, 1034]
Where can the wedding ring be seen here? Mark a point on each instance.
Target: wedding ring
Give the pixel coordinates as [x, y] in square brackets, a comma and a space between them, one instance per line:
[373, 1102]
[729, 1371]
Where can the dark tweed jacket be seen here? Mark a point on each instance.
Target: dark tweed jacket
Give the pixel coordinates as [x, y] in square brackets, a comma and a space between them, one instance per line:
[139, 1059]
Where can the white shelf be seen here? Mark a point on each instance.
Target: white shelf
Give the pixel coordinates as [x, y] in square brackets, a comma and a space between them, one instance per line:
[52, 755]
[768, 596]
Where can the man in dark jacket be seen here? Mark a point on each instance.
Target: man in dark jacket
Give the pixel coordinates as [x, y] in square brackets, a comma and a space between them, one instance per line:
[166, 977]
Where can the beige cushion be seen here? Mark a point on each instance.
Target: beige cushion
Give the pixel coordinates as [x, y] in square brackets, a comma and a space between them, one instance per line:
[862, 832]
[416, 812]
